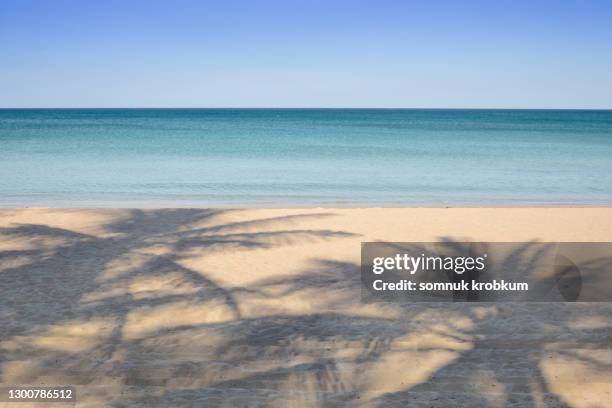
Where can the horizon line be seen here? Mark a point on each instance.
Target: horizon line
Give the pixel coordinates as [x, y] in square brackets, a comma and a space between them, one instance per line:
[296, 107]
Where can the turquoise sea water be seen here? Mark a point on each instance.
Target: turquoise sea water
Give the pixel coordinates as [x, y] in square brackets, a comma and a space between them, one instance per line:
[293, 157]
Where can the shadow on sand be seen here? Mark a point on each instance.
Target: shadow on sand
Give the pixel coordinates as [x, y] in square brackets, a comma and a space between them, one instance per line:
[124, 318]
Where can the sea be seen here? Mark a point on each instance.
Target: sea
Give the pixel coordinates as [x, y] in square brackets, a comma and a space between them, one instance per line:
[304, 157]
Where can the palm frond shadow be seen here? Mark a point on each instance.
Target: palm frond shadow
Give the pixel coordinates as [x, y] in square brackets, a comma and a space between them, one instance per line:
[330, 356]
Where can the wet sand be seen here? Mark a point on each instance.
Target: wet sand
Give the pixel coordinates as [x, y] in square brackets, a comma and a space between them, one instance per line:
[205, 307]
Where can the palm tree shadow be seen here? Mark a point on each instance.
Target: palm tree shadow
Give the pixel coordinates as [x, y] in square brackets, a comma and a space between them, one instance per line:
[322, 357]
[513, 342]
[60, 282]
[301, 359]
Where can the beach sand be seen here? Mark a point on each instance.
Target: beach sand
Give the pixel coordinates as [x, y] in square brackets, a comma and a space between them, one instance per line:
[205, 307]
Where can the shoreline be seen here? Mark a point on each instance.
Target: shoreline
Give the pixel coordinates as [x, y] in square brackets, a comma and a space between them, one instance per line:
[285, 206]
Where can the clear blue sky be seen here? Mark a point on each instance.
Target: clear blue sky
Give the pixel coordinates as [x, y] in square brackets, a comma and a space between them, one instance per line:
[513, 54]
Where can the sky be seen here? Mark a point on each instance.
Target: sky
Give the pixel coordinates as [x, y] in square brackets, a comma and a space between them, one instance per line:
[387, 54]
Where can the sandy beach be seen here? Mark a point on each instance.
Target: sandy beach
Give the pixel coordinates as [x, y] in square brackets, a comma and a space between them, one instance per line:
[305, 204]
[256, 307]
